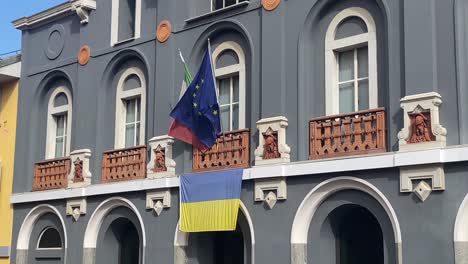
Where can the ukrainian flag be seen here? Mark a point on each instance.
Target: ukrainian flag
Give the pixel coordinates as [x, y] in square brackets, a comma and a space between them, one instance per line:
[210, 201]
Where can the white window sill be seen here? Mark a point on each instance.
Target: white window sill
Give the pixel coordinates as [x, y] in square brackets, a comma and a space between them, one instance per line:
[218, 11]
[123, 41]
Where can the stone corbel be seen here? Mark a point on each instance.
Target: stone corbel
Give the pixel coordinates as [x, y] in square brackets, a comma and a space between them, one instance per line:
[76, 208]
[422, 179]
[158, 200]
[423, 109]
[80, 175]
[161, 163]
[82, 9]
[270, 190]
[272, 147]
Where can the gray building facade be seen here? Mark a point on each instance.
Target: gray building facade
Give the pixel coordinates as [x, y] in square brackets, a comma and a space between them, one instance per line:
[348, 118]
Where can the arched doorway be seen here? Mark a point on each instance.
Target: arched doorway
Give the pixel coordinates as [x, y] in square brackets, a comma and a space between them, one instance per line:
[233, 247]
[115, 234]
[341, 220]
[358, 235]
[119, 239]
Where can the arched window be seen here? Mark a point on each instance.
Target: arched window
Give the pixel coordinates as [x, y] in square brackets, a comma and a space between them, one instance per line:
[49, 239]
[130, 109]
[126, 20]
[59, 122]
[351, 62]
[229, 64]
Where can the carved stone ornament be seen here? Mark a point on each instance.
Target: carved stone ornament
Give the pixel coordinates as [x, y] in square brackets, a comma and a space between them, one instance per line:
[76, 208]
[422, 180]
[82, 9]
[272, 147]
[164, 31]
[161, 163]
[158, 200]
[80, 175]
[270, 5]
[78, 170]
[270, 191]
[84, 55]
[160, 159]
[422, 128]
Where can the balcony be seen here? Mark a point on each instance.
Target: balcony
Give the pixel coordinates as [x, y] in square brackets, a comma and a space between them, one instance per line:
[124, 164]
[231, 150]
[348, 134]
[51, 174]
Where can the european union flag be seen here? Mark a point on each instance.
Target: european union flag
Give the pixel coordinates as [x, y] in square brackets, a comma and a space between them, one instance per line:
[196, 115]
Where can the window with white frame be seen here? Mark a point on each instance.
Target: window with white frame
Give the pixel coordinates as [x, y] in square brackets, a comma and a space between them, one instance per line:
[229, 63]
[126, 20]
[220, 4]
[351, 62]
[59, 123]
[130, 109]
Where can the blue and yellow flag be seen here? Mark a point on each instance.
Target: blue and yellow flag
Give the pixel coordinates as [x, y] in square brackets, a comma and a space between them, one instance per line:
[210, 201]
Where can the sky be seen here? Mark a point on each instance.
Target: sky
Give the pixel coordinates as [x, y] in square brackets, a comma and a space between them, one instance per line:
[10, 38]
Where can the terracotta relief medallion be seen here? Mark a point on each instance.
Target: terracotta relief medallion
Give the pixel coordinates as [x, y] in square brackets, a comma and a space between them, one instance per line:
[84, 55]
[270, 148]
[420, 128]
[160, 159]
[78, 173]
[270, 5]
[164, 31]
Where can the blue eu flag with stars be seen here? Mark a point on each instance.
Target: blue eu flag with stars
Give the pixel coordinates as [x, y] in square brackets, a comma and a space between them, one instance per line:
[198, 109]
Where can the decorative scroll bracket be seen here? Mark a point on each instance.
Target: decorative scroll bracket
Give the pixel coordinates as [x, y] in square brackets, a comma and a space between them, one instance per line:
[158, 200]
[161, 163]
[76, 208]
[270, 191]
[272, 138]
[425, 107]
[83, 8]
[80, 175]
[422, 179]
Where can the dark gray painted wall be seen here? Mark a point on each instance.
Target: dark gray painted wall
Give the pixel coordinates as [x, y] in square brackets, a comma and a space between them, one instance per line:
[426, 228]
[285, 69]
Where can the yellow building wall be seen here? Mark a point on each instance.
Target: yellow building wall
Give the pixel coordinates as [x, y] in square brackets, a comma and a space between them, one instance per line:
[8, 111]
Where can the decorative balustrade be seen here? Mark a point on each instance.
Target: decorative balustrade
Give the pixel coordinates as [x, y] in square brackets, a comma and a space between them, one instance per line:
[124, 164]
[51, 174]
[231, 150]
[355, 133]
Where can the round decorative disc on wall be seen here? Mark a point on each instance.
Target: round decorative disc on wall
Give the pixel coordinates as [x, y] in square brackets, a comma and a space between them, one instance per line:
[84, 55]
[270, 5]
[55, 42]
[164, 31]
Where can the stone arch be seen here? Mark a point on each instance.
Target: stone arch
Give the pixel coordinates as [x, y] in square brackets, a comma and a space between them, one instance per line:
[24, 234]
[312, 202]
[181, 239]
[96, 220]
[460, 233]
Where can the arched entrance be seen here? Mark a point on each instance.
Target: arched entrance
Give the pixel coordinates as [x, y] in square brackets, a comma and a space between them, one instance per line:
[235, 247]
[358, 235]
[42, 237]
[115, 234]
[350, 217]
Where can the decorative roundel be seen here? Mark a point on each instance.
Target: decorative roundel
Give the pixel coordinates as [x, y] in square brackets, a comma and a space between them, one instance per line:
[270, 5]
[84, 55]
[55, 42]
[164, 31]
